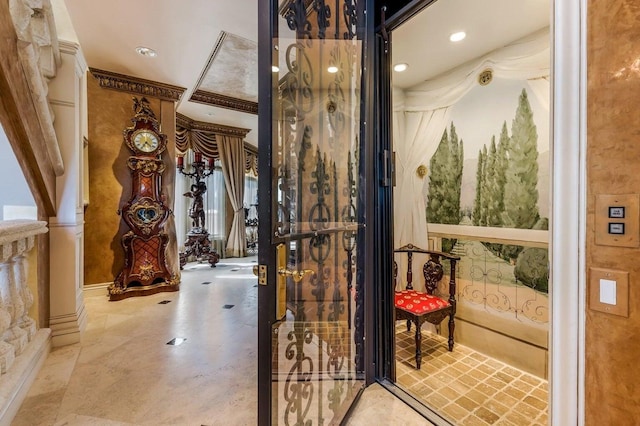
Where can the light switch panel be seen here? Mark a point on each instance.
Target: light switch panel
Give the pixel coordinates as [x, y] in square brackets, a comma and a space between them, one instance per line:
[608, 292]
[617, 220]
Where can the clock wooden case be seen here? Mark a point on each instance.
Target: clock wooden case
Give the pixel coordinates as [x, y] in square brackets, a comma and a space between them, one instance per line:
[145, 268]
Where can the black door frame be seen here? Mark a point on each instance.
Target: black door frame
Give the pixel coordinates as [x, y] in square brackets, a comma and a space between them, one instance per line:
[390, 14]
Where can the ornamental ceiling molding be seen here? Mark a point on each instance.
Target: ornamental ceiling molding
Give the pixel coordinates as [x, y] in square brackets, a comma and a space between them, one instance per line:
[125, 83]
[222, 101]
[237, 90]
[200, 126]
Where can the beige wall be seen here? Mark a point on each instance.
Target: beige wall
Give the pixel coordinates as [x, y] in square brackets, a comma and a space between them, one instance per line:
[109, 113]
[613, 155]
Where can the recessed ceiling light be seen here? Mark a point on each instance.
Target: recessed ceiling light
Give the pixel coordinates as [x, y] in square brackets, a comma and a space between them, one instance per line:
[146, 51]
[459, 36]
[400, 67]
[332, 69]
[275, 68]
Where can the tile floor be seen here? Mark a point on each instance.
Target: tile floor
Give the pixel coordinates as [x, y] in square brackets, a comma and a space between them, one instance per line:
[467, 387]
[124, 372]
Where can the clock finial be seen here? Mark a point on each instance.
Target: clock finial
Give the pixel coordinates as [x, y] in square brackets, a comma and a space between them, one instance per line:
[141, 107]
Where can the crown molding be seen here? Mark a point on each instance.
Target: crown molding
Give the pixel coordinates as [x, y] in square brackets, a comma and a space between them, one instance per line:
[200, 126]
[125, 83]
[222, 101]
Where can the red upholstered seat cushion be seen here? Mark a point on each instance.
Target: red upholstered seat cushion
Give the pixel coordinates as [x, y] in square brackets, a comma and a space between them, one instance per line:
[418, 302]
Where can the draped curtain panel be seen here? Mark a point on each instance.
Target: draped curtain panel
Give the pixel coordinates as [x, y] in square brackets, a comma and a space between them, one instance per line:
[203, 142]
[420, 133]
[421, 114]
[251, 162]
[207, 144]
[232, 159]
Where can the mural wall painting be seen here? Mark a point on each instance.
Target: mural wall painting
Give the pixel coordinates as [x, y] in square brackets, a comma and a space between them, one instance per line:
[500, 188]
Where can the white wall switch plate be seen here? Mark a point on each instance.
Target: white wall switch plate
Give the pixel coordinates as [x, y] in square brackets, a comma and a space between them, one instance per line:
[607, 292]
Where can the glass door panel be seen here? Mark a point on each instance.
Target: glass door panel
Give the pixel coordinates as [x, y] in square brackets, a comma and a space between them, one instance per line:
[317, 358]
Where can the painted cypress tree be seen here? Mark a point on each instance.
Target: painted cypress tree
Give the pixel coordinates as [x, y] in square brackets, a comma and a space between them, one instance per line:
[502, 162]
[477, 205]
[445, 181]
[438, 182]
[484, 188]
[457, 156]
[521, 193]
[494, 212]
[521, 178]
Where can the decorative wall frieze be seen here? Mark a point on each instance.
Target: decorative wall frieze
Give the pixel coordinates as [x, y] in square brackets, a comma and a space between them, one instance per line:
[222, 101]
[125, 83]
[200, 126]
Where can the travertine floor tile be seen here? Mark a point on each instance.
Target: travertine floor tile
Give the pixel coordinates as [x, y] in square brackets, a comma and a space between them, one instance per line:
[123, 372]
[488, 391]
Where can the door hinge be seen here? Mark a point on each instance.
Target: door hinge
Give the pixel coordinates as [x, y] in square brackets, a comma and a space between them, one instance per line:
[383, 30]
[261, 272]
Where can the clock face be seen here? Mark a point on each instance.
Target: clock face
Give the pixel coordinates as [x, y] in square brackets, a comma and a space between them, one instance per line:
[145, 141]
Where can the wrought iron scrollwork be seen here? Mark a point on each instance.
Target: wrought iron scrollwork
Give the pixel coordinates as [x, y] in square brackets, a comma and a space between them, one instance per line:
[350, 12]
[320, 215]
[299, 389]
[336, 92]
[296, 16]
[298, 84]
[324, 13]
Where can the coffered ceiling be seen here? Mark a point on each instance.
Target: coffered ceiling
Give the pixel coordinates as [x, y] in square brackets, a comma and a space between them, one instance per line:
[209, 47]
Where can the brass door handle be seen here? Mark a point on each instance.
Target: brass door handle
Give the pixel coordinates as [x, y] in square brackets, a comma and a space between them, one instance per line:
[255, 270]
[296, 275]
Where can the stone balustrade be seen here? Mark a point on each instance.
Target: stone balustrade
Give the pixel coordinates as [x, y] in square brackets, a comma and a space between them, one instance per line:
[23, 348]
[17, 329]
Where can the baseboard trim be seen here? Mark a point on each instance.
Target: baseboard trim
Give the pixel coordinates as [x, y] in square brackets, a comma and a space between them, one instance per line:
[99, 289]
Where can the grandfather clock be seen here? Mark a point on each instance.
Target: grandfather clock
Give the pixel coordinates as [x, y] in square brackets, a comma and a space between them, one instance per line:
[145, 268]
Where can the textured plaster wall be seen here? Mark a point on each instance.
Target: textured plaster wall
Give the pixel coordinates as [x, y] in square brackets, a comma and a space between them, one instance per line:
[613, 155]
[109, 112]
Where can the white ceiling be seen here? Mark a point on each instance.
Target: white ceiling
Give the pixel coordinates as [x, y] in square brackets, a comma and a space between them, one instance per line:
[185, 33]
[423, 42]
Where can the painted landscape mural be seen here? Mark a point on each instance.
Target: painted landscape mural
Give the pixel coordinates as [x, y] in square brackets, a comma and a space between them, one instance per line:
[502, 182]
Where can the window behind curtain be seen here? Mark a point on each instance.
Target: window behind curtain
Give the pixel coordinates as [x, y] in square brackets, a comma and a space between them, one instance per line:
[251, 194]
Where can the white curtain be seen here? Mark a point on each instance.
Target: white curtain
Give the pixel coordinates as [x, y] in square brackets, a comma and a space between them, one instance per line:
[420, 116]
[232, 158]
[527, 58]
[421, 132]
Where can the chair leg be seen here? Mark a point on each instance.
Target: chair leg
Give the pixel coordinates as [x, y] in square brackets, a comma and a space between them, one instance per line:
[408, 325]
[418, 345]
[452, 327]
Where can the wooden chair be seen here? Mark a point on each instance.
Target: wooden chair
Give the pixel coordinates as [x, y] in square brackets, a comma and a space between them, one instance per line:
[418, 307]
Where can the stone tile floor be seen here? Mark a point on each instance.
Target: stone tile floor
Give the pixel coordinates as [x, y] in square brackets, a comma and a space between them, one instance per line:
[467, 387]
[124, 373]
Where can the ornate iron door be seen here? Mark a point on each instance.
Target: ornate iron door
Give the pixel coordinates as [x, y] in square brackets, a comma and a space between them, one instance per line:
[312, 330]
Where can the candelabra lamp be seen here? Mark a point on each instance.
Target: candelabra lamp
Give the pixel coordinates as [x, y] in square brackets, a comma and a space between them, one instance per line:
[197, 243]
[251, 227]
